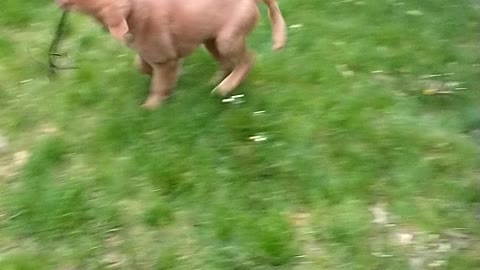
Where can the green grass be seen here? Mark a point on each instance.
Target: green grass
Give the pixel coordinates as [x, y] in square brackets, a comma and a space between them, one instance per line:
[108, 185]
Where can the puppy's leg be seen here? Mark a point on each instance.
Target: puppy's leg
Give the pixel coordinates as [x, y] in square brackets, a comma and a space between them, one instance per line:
[225, 65]
[231, 45]
[163, 80]
[143, 66]
[234, 48]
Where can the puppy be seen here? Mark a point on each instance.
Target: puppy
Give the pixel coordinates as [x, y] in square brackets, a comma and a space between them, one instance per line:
[162, 32]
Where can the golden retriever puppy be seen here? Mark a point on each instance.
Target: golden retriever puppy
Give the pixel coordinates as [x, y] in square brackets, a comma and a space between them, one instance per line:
[162, 32]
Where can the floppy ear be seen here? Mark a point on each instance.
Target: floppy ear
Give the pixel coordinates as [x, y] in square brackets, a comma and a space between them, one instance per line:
[118, 30]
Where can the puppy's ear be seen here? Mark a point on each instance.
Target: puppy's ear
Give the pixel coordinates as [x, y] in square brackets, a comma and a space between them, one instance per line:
[119, 29]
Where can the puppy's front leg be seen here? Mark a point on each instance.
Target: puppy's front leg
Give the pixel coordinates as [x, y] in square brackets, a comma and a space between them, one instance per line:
[142, 66]
[164, 77]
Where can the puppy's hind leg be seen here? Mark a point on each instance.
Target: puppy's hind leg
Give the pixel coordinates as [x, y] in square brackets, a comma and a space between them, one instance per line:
[231, 44]
[225, 66]
[234, 49]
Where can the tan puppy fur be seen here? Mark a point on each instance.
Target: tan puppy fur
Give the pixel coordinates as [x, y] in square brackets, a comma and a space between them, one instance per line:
[162, 32]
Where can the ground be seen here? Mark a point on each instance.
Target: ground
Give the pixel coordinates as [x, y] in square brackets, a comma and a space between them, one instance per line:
[366, 155]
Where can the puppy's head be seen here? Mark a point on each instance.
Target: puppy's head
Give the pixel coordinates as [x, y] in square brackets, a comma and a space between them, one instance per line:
[111, 13]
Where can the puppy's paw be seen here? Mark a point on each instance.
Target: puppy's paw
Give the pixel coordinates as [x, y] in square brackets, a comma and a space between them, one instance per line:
[224, 88]
[152, 102]
[218, 92]
[149, 107]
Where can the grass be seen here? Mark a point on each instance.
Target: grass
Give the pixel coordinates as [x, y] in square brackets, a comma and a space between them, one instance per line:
[356, 159]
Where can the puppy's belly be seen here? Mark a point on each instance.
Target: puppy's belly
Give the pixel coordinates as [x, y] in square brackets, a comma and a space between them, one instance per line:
[161, 52]
[154, 51]
[185, 49]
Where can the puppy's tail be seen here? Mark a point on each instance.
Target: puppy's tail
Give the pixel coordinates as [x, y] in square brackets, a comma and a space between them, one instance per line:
[279, 29]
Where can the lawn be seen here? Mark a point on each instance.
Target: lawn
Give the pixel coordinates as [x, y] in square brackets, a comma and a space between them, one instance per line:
[369, 127]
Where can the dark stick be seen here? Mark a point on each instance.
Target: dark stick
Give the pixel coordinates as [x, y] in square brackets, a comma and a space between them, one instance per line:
[53, 46]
